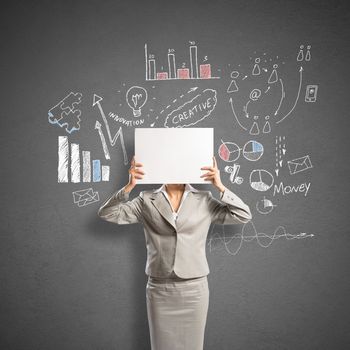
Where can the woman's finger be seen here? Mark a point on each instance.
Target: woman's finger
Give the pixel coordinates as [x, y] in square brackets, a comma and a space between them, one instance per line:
[208, 168]
[207, 174]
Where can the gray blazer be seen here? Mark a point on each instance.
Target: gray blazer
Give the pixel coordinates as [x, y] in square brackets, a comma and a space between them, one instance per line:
[175, 246]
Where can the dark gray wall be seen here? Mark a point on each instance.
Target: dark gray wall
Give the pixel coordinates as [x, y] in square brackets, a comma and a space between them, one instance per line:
[72, 281]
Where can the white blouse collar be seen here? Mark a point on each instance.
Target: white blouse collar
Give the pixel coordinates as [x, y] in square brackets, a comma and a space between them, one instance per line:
[188, 188]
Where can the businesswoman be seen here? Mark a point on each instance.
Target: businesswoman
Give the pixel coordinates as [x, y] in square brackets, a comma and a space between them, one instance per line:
[176, 220]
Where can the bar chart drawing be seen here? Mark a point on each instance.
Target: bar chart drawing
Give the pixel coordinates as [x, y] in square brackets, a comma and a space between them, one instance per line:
[91, 169]
[173, 72]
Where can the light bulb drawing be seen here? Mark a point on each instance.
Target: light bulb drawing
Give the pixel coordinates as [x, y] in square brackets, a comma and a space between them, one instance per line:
[136, 97]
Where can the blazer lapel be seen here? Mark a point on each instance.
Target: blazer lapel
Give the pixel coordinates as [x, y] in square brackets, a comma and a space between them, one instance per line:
[162, 205]
[187, 208]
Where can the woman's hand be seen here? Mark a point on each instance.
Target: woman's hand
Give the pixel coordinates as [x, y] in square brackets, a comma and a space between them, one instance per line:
[213, 175]
[134, 173]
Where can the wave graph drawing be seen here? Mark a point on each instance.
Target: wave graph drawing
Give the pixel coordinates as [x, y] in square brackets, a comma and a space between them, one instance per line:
[249, 233]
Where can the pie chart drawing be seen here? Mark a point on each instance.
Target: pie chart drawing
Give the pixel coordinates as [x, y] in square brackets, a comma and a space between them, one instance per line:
[264, 206]
[261, 180]
[229, 151]
[253, 150]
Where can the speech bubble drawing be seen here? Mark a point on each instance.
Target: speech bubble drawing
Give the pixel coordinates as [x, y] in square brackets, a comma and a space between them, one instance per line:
[193, 111]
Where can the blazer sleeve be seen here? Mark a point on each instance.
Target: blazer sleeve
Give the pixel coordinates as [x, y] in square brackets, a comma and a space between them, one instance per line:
[119, 210]
[230, 210]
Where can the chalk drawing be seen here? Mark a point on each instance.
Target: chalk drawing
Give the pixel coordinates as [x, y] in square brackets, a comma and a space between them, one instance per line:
[308, 53]
[265, 206]
[311, 93]
[86, 166]
[180, 99]
[299, 164]
[290, 189]
[254, 130]
[297, 97]
[261, 180]
[245, 109]
[63, 158]
[136, 97]
[233, 85]
[267, 125]
[265, 81]
[253, 150]
[84, 197]
[105, 172]
[235, 115]
[273, 78]
[255, 94]
[96, 170]
[230, 151]
[71, 152]
[249, 233]
[256, 68]
[75, 162]
[112, 140]
[304, 56]
[126, 122]
[280, 151]
[98, 127]
[193, 111]
[233, 171]
[65, 113]
[283, 95]
[174, 72]
[300, 56]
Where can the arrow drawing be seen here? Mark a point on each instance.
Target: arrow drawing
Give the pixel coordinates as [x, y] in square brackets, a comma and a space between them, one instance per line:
[234, 113]
[103, 140]
[297, 98]
[245, 109]
[112, 140]
[282, 97]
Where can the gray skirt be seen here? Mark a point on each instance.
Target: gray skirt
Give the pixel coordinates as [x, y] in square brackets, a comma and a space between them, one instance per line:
[177, 312]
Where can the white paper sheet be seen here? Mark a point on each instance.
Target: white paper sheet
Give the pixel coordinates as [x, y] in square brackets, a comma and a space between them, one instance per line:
[174, 155]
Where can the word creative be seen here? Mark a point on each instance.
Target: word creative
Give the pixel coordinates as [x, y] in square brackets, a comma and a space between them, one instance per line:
[288, 189]
[192, 111]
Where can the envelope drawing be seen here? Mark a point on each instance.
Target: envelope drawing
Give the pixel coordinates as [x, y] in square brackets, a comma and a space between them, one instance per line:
[85, 197]
[299, 164]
